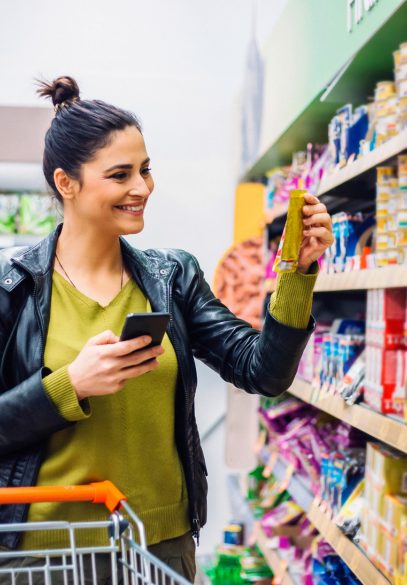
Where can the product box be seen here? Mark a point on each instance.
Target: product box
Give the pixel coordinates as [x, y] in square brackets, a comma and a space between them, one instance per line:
[385, 318]
[395, 511]
[388, 552]
[388, 469]
[385, 370]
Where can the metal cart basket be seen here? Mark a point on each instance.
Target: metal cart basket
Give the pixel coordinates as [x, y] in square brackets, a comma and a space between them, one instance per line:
[128, 561]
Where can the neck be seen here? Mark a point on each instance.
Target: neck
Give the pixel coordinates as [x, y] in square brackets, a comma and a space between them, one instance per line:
[94, 251]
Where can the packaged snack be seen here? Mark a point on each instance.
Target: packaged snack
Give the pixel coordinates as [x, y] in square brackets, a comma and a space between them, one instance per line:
[384, 89]
[351, 385]
[288, 250]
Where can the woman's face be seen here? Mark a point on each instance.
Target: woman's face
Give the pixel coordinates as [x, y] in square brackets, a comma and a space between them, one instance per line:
[115, 185]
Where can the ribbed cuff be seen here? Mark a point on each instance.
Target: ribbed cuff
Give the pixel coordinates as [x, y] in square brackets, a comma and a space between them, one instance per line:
[291, 302]
[59, 388]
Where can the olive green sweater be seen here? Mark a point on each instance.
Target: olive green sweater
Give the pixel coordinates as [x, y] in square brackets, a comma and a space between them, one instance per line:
[128, 437]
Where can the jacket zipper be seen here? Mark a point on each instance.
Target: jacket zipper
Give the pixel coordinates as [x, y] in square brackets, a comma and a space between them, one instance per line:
[196, 525]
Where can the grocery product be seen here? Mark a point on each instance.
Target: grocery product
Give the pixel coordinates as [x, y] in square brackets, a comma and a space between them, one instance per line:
[287, 254]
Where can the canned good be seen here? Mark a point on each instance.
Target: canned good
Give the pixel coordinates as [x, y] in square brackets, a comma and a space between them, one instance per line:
[387, 107]
[393, 256]
[402, 219]
[403, 198]
[382, 241]
[381, 223]
[397, 58]
[381, 258]
[402, 237]
[402, 106]
[385, 174]
[384, 89]
[400, 72]
[403, 53]
[402, 88]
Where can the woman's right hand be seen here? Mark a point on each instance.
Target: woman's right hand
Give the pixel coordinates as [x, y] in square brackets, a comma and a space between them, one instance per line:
[105, 363]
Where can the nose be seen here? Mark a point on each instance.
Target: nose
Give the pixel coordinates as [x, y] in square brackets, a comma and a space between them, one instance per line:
[140, 188]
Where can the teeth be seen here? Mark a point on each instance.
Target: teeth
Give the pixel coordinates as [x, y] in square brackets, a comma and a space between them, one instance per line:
[131, 207]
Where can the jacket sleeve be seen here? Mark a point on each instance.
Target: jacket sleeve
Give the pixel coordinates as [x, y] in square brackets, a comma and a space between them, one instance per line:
[258, 362]
[27, 415]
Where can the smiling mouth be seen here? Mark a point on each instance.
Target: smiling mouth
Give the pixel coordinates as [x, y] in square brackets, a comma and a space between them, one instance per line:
[132, 209]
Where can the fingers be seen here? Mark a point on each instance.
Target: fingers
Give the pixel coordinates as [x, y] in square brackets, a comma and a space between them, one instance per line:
[106, 337]
[318, 218]
[141, 356]
[309, 210]
[323, 234]
[135, 371]
[311, 199]
[122, 348]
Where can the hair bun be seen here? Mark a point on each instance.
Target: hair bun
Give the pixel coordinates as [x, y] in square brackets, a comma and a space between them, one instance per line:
[62, 91]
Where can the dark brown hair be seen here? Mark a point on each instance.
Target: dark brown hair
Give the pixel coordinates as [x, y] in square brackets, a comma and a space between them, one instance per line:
[80, 128]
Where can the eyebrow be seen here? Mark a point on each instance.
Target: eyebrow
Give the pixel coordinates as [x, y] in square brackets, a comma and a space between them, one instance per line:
[126, 166]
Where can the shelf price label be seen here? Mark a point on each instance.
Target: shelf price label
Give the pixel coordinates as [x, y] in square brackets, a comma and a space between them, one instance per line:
[268, 470]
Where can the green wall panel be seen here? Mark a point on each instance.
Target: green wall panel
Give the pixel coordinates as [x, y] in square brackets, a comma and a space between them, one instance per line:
[309, 45]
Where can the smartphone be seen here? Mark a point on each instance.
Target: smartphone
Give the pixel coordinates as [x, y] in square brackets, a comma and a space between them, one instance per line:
[152, 324]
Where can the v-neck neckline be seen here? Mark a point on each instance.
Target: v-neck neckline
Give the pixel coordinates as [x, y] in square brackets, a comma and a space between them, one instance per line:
[85, 298]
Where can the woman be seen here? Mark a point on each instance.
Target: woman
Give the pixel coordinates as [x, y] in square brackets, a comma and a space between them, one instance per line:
[79, 405]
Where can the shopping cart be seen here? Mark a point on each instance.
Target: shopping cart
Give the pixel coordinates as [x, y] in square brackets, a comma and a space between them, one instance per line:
[128, 562]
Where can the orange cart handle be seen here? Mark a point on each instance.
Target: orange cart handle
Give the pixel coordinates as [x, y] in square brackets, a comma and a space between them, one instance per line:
[103, 492]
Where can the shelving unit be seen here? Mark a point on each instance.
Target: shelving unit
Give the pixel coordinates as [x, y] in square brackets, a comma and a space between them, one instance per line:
[297, 486]
[353, 556]
[277, 564]
[363, 169]
[385, 277]
[387, 429]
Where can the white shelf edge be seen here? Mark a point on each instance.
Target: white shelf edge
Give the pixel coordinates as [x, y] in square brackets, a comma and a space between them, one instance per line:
[381, 154]
[273, 559]
[377, 425]
[358, 562]
[369, 279]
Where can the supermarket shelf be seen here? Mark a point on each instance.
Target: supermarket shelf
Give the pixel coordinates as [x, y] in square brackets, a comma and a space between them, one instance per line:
[366, 164]
[8, 240]
[297, 486]
[386, 429]
[352, 555]
[385, 277]
[277, 565]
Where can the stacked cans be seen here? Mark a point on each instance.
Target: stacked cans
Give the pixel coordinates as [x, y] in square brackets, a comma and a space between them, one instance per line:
[389, 110]
[400, 74]
[391, 214]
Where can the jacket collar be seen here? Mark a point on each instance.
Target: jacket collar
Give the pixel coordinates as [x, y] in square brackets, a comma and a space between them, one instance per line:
[38, 260]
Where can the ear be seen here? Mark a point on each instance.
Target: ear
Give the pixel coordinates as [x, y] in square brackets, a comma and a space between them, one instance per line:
[66, 185]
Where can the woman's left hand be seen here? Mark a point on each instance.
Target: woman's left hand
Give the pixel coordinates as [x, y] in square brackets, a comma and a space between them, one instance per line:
[317, 234]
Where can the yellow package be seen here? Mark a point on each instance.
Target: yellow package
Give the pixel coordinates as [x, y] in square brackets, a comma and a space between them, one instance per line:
[290, 243]
[395, 510]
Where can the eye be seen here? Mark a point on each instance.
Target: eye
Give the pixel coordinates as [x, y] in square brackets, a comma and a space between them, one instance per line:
[146, 171]
[120, 176]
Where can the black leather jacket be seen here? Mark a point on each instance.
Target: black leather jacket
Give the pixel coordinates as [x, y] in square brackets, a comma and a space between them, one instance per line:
[200, 327]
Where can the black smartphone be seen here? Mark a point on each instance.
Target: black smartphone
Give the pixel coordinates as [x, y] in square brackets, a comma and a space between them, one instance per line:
[152, 324]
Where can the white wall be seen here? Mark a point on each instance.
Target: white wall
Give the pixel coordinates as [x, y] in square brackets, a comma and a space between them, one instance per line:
[180, 66]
